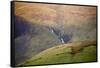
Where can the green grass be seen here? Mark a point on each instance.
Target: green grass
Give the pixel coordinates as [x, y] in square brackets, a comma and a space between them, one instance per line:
[63, 54]
[86, 55]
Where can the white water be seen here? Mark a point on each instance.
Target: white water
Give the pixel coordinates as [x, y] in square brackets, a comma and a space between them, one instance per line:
[62, 40]
[52, 30]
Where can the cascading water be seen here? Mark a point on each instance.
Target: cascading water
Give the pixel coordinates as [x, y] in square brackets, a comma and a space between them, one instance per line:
[63, 37]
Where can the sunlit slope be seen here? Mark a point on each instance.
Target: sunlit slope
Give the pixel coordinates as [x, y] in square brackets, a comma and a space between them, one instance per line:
[52, 15]
[84, 51]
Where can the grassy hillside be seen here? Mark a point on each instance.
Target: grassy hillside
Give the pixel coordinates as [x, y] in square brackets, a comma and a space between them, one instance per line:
[84, 51]
[40, 30]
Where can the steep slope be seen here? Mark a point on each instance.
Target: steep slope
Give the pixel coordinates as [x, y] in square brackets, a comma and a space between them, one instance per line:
[42, 26]
[84, 51]
[78, 21]
[47, 14]
[31, 40]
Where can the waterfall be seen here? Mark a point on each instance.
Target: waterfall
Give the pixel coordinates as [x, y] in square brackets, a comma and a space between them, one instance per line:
[62, 36]
[52, 30]
[62, 40]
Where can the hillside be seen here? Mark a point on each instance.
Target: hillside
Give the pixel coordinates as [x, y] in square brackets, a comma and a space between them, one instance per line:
[74, 20]
[31, 39]
[51, 15]
[43, 28]
[84, 51]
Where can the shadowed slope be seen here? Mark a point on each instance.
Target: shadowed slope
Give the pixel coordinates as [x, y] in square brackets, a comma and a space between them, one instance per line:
[32, 39]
